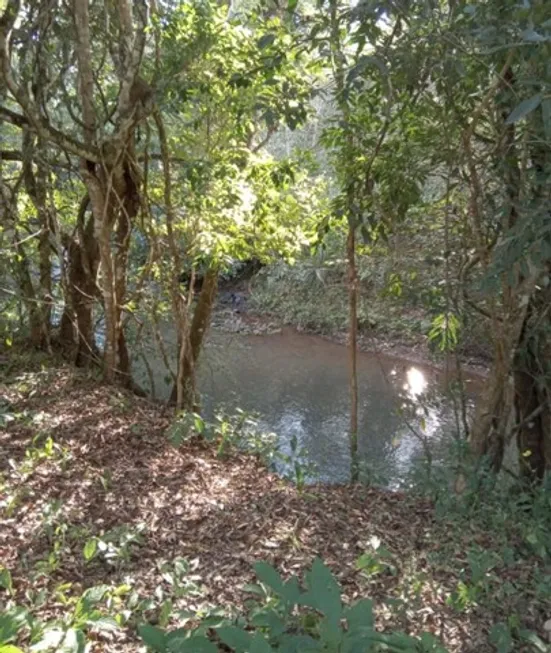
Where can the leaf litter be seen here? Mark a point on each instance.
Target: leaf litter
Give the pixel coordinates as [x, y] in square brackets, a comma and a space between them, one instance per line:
[111, 467]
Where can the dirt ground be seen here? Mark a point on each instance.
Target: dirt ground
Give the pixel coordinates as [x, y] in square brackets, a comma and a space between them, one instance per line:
[112, 466]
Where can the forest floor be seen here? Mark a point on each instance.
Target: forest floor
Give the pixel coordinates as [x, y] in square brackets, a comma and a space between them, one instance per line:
[80, 460]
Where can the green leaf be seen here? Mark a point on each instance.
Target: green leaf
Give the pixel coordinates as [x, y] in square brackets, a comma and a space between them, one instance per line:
[265, 41]
[260, 645]
[90, 549]
[300, 644]
[198, 644]
[331, 634]
[94, 595]
[270, 620]
[254, 588]
[360, 615]
[165, 613]
[500, 637]
[364, 62]
[11, 622]
[268, 575]
[235, 637]
[292, 5]
[531, 637]
[154, 638]
[6, 579]
[52, 638]
[10, 648]
[175, 638]
[523, 109]
[73, 642]
[291, 590]
[103, 624]
[199, 424]
[323, 592]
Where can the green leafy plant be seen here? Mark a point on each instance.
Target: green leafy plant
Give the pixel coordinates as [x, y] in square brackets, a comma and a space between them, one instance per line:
[177, 574]
[6, 582]
[116, 546]
[293, 619]
[12, 622]
[70, 634]
[178, 582]
[237, 430]
[296, 468]
[7, 416]
[67, 635]
[377, 560]
[445, 331]
[185, 426]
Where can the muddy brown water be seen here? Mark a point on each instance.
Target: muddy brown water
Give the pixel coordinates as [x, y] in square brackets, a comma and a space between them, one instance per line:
[297, 384]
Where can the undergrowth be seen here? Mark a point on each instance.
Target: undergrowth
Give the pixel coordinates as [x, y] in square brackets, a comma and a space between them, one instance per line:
[478, 554]
[396, 302]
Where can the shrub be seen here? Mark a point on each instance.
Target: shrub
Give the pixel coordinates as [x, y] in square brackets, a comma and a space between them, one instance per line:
[288, 618]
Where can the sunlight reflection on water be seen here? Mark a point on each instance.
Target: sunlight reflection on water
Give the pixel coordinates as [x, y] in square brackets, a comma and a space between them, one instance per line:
[298, 385]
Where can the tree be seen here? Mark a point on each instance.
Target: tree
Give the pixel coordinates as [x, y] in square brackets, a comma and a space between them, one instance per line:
[223, 88]
[105, 130]
[505, 152]
[365, 48]
[235, 85]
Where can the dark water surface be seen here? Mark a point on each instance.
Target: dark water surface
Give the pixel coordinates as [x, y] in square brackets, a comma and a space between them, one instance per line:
[298, 385]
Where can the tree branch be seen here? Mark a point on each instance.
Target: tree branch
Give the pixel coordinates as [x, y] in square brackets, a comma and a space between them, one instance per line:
[84, 56]
[11, 155]
[132, 51]
[20, 94]
[12, 117]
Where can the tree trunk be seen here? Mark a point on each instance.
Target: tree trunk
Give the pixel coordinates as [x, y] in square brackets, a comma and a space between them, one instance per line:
[492, 423]
[8, 206]
[352, 345]
[532, 373]
[107, 285]
[112, 180]
[521, 335]
[115, 202]
[45, 271]
[36, 186]
[489, 434]
[339, 64]
[532, 365]
[184, 393]
[37, 328]
[127, 214]
[77, 327]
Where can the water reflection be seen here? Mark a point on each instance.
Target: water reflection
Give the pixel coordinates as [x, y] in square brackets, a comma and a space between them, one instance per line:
[416, 382]
[298, 384]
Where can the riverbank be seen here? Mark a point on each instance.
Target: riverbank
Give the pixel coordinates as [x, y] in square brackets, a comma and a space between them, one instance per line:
[244, 319]
[391, 322]
[84, 462]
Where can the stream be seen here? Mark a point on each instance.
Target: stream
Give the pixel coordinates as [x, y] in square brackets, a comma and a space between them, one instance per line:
[297, 385]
